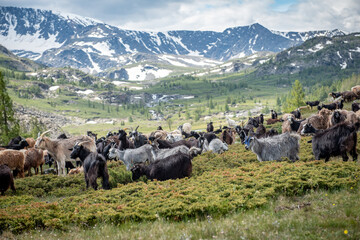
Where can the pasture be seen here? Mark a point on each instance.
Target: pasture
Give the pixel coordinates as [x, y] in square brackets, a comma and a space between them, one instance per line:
[228, 196]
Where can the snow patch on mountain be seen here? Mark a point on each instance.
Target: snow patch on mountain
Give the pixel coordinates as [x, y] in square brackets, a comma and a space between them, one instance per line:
[146, 72]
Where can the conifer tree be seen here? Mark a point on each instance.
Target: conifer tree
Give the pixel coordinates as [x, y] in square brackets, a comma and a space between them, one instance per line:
[9, 126]
[296, 97]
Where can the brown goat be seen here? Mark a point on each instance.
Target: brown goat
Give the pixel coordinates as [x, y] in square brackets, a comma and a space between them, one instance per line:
[319, 121]
[31, 142]
[14, 159]
[356, 90]
[6, 179]
[59, 149]
[272, 121]
[34, 158]
[228, 136]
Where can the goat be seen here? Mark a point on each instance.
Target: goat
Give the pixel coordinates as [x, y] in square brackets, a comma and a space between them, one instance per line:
[31, 142]
[231, 123]
[59, 148]
[334, 141]
[274, 148]
[296, 113]
[217, 131]
[62, 136]
[348, 96]
[34, 158]
[163, 153]
[356, 90]
[253, 122]
[335, 94]
[355, 106]
[320, 120]
[131, 156]
[125, 143]
[6, 179]
[331, 106]
[94, 165]
[312, 103]
[216, 145]
[14, 159]
[259, 119]
[342, 116]
[228, 136]
[17, 146]
[188, 143]
[209, 136]
[91, 134]
[172, 167]
[273, 114]
[340, 104]
[295, 124]
[138, 138]
[186, 127]
[15, 140]
[210, 127]
[174, 137]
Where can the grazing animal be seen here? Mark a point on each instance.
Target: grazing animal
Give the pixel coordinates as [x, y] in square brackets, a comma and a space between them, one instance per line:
[334, 141]
[188, 143]
[228, 136]
[217, 131]
[272, 121]
[260, 131]
[138, 138]
[340, 105]
[273, 114]
[342, 116]
[210, 127]
[59, 148]
[259, 119]
[91, 134]
[216, 145]
[295, 124]
[172, 167]
[275, 148]
[296, 113]
[17, 146]
[271, 132]
[231, 123]
[62, 136]
[312, 103]
[76, 170]
[253, 122]
[132, 156]
[186, 127]
[356, 90]
[331, 106]
[31, 142]
[349, 96]
[14, 159]
[94, 166]
[6, 179]
[124, 143]
[34, 158]
[335, 94]
[355, 106]
[320, 120]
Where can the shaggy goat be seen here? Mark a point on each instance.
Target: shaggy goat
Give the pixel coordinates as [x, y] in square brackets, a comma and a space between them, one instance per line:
[275, 148]
[320, 120]
[34, 158]
[216, 145]
[356, 90]
[131, 156]
[296, 113]
[94, 166]
[228, 136]
[14, 159]
[172, 167]
[334, 141]
[6, 179]
[59, 148]
[355, 107]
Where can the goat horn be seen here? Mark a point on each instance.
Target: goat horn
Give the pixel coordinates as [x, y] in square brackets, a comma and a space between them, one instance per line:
[42, 135]
[136, 128]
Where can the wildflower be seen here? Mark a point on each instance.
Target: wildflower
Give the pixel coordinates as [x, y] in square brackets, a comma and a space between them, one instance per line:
[346, 231]
[333, 204]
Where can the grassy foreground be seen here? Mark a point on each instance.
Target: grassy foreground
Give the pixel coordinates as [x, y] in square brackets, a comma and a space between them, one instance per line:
[228, 196]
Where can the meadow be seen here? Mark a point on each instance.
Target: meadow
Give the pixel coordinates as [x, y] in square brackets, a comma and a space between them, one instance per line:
[228, 196]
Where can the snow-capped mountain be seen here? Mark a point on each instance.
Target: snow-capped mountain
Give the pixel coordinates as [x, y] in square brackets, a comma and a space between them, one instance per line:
[68, 40]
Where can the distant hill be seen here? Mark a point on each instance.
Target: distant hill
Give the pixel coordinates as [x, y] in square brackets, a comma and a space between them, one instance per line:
[10, 61]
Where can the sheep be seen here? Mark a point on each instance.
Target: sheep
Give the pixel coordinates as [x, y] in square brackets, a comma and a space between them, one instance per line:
[59, 148]
[172, 167]
[334, 141]
[94, 165]
[131, 156]
[356, 90]
[216, 145]
[274, 148]
[231, 123]
[312, 103]
[14, 159]
[34, 158]
[6, 179]
[186, 127]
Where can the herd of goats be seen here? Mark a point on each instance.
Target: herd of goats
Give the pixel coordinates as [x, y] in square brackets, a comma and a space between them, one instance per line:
[166, 155]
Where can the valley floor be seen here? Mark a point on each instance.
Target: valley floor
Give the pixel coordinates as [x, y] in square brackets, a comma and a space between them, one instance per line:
[316, 215]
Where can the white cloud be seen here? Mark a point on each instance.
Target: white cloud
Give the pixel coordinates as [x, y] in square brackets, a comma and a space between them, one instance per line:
[160, 15]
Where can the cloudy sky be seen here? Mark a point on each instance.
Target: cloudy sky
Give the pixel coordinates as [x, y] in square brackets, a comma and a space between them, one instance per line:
[160, 15]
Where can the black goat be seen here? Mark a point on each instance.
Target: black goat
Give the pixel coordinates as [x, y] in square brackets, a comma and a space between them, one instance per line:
[334, 141]
[210, 127]
[21, 145]
[296, 113]
[331, 106]
[335, 94]
[253, 122]
[172, 167]
[15, 140]
[312, 103]
[62, 136]
[295, 124]
[340, 104]
[355, 106]
[209, 136]
[138, 139]
[125, 143]
[6, 179]
[94, 166]
[91, 134]
[273, 114]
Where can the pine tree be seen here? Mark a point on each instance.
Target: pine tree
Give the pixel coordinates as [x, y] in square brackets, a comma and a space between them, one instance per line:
[9, 126]
[296, 97]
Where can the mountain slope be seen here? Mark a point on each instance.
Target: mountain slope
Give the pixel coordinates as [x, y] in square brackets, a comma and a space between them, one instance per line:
[67, 40]
[12, 62]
